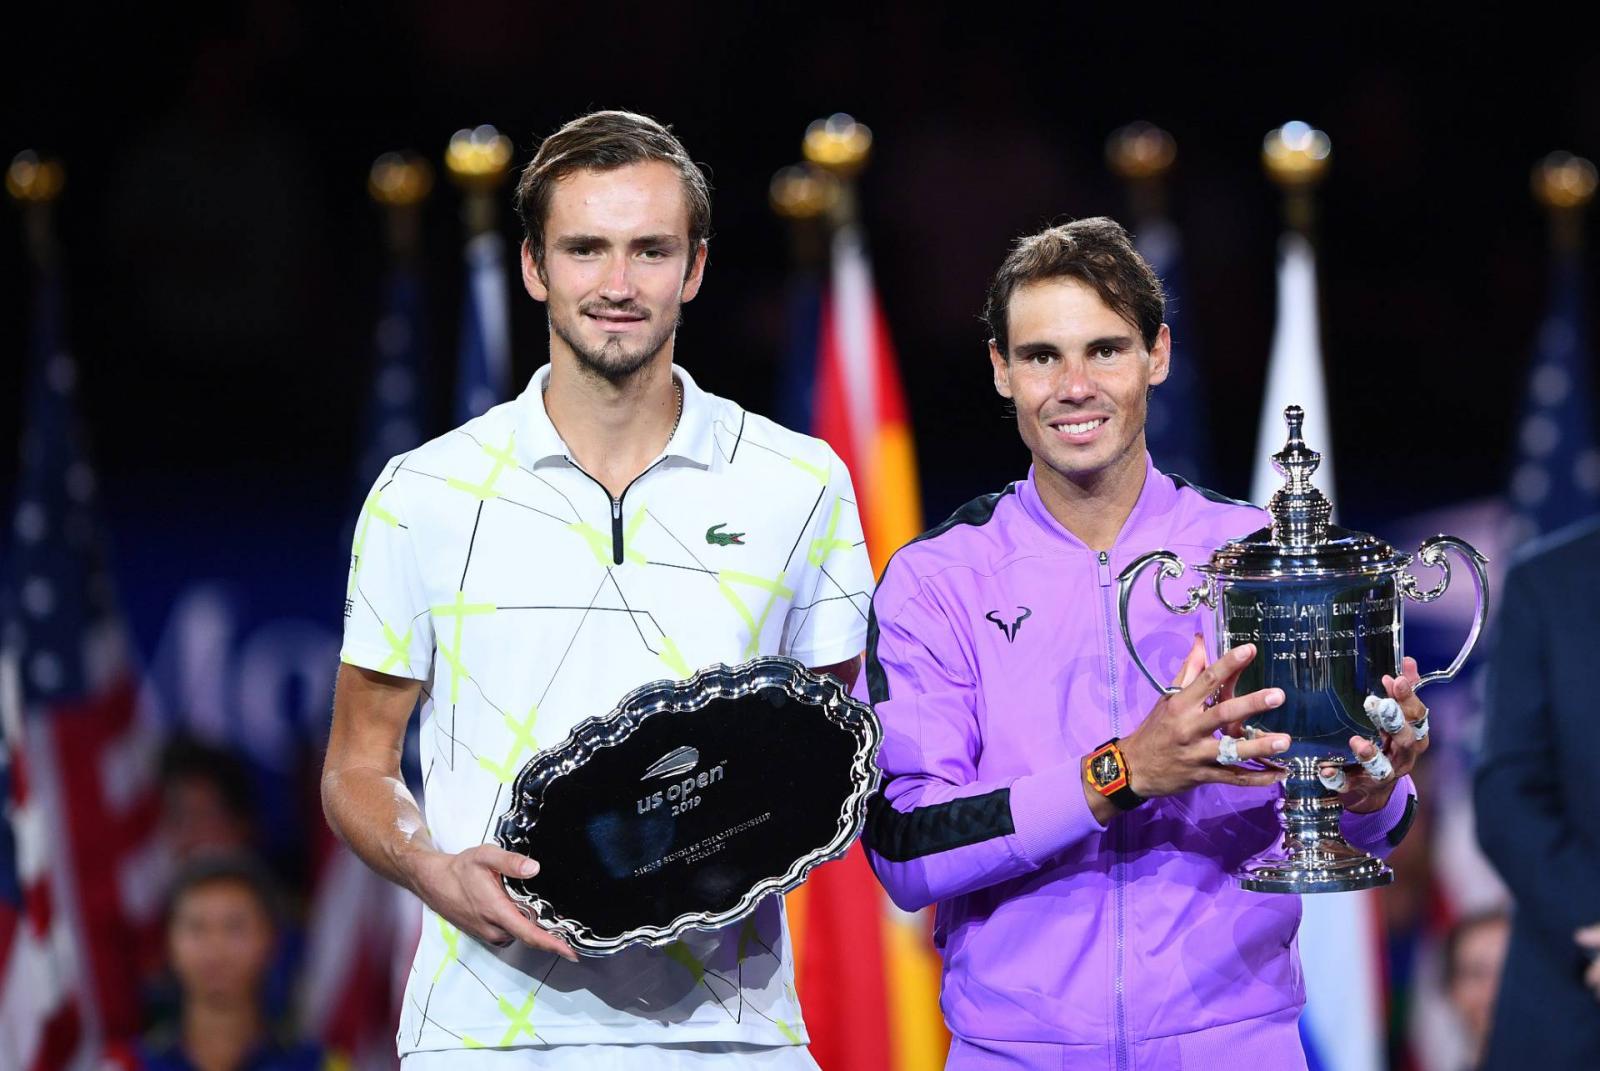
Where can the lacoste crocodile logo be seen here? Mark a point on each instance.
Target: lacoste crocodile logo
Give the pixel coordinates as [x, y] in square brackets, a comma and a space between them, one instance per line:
[1010, 628]
[724, 539]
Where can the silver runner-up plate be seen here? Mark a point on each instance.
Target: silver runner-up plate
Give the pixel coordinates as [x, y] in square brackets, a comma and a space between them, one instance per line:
[689, 802]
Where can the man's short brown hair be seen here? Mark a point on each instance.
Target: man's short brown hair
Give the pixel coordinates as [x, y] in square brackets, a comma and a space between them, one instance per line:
[604, 141]
[1098, 253]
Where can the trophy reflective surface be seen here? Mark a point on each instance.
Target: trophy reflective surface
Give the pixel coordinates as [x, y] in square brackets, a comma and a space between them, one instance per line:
[1324, 607]
[689, 802]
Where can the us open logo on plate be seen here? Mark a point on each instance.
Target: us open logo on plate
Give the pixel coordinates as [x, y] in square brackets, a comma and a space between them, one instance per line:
[684, 793]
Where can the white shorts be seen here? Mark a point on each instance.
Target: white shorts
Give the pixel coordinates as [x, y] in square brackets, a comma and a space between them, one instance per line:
[694, 1056]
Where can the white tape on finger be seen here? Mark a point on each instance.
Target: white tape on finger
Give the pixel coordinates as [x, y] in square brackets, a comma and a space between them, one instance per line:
[1379, 768]
[1335, 781]
[1228, 751]
[1385, 714]
[1421, 727]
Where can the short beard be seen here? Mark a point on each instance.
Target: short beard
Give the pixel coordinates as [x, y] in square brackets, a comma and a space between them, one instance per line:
[611, 362]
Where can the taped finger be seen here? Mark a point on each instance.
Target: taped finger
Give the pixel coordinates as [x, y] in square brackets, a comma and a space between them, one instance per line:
[1379, 768]
[1228, 751]
[1385, 714]
[1334, 779]
[1420, 726]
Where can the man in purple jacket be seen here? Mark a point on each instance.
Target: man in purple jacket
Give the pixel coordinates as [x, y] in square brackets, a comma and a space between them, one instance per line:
[1086, 911]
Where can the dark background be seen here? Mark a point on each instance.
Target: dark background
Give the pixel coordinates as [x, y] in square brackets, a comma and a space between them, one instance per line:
[224, 262]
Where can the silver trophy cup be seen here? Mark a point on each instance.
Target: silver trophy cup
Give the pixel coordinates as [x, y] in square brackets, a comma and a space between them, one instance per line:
[1324, 608]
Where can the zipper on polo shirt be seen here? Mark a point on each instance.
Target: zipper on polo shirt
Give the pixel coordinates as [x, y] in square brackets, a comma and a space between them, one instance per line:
[616, 530]
[616, 503]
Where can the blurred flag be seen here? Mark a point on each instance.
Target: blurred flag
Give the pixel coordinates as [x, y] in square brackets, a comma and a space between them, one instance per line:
[396, 415]
[483, 372]
[1340, 936]
[861, 405]
[84, 817]
[1294, 373]
[868, 973]
[1557, 474]
[1176, 430]
[42, 998]
[797, 377]
[361, 930]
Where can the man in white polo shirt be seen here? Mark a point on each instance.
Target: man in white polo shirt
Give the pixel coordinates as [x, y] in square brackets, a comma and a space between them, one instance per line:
[614, 525]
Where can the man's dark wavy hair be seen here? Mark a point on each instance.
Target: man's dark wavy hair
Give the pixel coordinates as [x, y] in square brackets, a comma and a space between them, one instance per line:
[1097, 252]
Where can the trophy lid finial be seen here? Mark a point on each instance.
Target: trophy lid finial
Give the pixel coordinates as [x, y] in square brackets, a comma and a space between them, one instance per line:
[1300, 511]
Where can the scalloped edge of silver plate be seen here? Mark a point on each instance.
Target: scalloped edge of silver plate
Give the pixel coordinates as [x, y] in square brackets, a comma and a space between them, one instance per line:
[716, 681]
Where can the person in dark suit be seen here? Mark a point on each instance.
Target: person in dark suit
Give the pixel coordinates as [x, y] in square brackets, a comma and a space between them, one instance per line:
[1537, 794]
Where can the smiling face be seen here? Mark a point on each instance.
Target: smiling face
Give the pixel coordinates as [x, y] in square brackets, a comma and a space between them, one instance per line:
[617, 266]
[1079, 375]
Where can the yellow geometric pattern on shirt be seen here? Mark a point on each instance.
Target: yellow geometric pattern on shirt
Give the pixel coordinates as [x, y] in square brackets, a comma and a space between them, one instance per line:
[600, 542]
[518, 1018]
[679, 953]
[787, 1029]
[775, 591]
[399, 648]
[503, 459]
[822, 548]
[452, 947]
[816, 470]
[459, 610]
[521, 737]
[370, 511]
[747, 934]
[674, 659]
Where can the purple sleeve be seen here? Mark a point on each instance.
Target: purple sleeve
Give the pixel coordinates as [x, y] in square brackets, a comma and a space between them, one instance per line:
[937, 830]
[1380, 832]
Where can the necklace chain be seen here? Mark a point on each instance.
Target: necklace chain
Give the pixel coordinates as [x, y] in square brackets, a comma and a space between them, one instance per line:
[679, 418]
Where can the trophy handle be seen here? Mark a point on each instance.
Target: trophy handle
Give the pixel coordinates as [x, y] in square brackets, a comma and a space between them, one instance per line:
[1171, 566]
[1432, 552]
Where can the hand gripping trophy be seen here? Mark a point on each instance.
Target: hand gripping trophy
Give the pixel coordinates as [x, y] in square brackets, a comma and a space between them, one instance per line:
[1324, 607]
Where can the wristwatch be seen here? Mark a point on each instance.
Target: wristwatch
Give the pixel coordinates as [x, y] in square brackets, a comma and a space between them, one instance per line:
[1107, 773]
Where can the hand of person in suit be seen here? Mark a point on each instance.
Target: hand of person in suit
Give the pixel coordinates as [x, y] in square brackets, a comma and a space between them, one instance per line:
[1588, 939]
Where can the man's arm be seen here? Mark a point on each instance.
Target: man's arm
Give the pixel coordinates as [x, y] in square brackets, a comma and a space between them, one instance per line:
[938, 830]
[935, 830]
[368, 805]
[1523, 823]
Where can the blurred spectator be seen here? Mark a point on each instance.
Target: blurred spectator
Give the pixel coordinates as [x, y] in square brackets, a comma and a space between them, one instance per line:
[1536, 800]
[1474, 956]
[205, 801]
[221, 932]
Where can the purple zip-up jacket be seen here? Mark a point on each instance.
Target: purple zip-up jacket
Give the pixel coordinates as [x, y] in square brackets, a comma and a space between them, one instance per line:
[995, 662]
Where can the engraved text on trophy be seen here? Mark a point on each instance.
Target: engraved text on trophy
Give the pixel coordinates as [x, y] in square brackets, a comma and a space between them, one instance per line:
[1323, 643]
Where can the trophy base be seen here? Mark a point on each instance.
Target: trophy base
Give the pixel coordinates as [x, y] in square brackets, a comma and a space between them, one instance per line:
[1327, 866]
[1315, 857]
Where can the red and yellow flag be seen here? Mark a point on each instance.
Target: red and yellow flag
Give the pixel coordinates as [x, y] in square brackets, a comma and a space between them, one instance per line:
[868, 972]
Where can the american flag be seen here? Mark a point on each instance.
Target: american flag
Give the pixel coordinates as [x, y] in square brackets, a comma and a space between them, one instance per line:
[79, 868]
[483, 376]
[1177, 433]
[396, 414]
[361, 930]
[1556, 480]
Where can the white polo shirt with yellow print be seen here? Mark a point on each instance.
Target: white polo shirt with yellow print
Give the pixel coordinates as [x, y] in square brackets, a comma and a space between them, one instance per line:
[489, 566]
